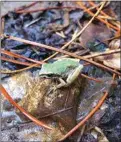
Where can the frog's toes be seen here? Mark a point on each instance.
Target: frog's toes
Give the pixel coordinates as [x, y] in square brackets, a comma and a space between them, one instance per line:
[52, 89]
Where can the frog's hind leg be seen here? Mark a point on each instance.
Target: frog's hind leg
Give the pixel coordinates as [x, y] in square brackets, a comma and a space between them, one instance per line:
[71, 78]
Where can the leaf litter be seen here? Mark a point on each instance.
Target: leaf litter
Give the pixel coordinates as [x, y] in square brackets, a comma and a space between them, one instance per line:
[56, 27]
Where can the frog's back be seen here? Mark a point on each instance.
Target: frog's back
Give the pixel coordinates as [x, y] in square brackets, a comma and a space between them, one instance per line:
[60, 66]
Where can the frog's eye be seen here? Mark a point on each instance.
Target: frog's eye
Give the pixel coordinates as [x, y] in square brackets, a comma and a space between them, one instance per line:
[50, 75]
[69, 67]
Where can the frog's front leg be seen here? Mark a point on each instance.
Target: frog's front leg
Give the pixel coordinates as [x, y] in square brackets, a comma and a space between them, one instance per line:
[62, 83]
[71, 78]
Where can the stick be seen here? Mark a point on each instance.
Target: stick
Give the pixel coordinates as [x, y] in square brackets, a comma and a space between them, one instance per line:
[17, 71]
[102, 53]
[19, 56]
[16, 62]
[91, 78]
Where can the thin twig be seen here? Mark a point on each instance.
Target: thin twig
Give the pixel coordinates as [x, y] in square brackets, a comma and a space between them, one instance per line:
[118, 36]
[87, 117]
[16, 62]
[32, 22]
[81, 133]
[2, 25]
[8, 97]
[103, 13]
[114, 76]
[26, 6]
[19, 56]
[90, 78]
[43, 9]
[17, 71]
[102, 53]
[80, 53]
[57, 7]
[57, 112]
[20, 8]
[107, 18]
[62, 51]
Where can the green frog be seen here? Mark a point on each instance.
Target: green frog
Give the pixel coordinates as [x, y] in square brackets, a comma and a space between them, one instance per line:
[66, 70]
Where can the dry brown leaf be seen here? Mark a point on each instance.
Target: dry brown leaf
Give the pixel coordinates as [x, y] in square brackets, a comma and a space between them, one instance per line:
[98, 134]
[115, 44]
[114, 63]
[112, 60]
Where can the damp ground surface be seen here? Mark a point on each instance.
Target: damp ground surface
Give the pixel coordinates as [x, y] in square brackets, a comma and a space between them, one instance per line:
[55, 28]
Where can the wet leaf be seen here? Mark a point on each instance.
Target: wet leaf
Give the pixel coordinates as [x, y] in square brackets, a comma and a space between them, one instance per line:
[94, 32]
[90, 96]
